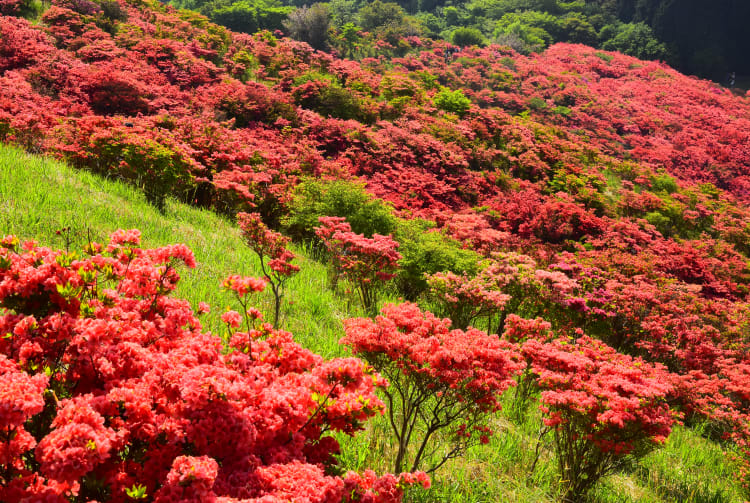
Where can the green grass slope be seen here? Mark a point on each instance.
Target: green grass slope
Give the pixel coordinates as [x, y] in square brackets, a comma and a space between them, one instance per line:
[60, 207]
[40, 199]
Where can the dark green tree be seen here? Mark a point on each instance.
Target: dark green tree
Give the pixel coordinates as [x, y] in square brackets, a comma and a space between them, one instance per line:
[311, 25]
[467, 36]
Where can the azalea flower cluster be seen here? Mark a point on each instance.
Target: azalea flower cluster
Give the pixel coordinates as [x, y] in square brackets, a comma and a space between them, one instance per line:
[601, 405]
[466, 299]
[275, 258]
[366, 262]
[445, 381]
[109, 389]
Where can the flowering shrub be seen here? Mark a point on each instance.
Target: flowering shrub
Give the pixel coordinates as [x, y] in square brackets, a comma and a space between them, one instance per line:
[444, 384]
[601, 405]
[366, 262]
[242, 287]
[518, 330]
[329, 226]
[616, 189]
[268, 245]
[109, 390]
[467, 299]
[452, 101]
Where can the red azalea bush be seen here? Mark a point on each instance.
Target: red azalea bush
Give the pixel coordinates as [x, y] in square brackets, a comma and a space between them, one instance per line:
[518, 330]
[157, 161]
[275, 259]
[109, 390]
[617, 189]
[465, 299]
[601, 406]
[242, 287]
[444, 384]
[366, 262]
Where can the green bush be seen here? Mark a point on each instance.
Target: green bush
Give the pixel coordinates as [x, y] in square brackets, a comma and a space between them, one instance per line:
[425, 251]
[664, 183]
[634, 39]
[337, 198]
[377, 14]
[452, 101]
[247, 16]
[332, 100]
[662, 222]
[521, 37]
[467, 37]
[537, 103]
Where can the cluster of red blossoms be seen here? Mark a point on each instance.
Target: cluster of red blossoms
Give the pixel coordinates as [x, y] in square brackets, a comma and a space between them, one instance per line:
[366, 262]
[616, 189]
[110, 389]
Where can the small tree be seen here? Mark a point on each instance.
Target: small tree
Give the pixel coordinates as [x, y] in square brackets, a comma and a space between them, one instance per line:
[366, 262]
[467, 299]
[601, 405]
[443, 382]
[242, 287]
[268, 244]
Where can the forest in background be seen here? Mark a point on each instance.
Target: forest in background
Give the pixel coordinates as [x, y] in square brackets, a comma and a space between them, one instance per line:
[696, 37]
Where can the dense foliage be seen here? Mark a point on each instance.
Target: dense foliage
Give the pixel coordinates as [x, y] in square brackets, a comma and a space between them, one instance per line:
[601, 405]
[444, 383]
[365, 262]
[660, 30]
[110, 389]
[602, 192]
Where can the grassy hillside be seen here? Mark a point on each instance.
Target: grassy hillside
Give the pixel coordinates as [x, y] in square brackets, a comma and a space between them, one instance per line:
[63, 208]
[607, 197]
[49, 202]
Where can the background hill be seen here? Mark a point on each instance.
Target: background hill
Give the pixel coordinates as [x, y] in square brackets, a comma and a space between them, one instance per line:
[696, 37]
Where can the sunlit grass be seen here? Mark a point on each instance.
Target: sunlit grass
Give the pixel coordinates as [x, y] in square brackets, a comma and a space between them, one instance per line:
[60, 207]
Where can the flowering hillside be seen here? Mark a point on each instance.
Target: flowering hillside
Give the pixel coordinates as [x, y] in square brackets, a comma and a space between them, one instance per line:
[607, 197]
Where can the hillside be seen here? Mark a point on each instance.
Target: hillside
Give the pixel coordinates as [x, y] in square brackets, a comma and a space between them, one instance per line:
[578, 192]
[87, 207]
[661, 30]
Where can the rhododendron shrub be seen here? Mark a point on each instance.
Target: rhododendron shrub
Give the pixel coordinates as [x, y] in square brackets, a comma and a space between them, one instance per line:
[601, 405]
[366, 262]
[161, 165]
[275, 259]
[517, 331]
[529, 290]
[110, 391]
[444, 384]
[242, 287]
[466, 299]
